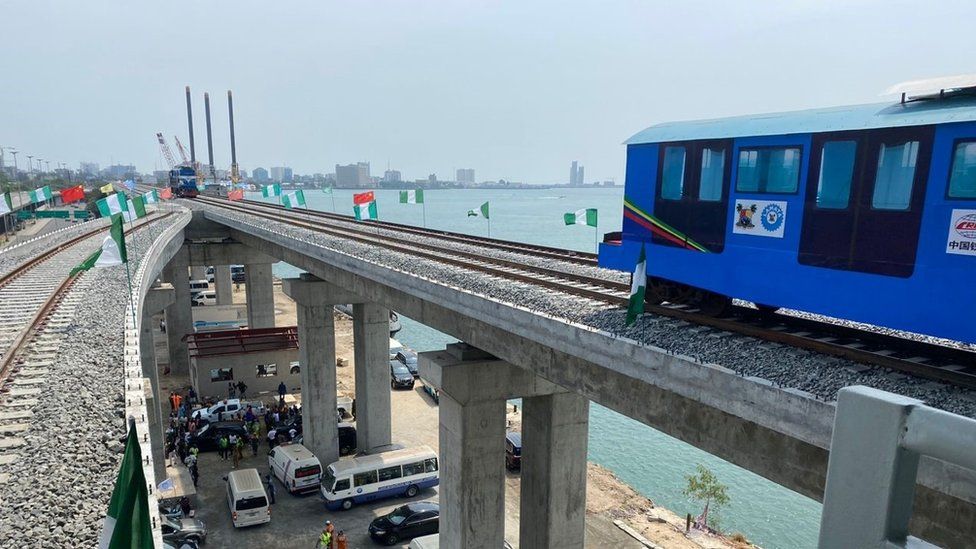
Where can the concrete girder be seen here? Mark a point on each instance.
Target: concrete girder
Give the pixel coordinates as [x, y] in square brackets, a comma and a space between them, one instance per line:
[781, 435]
[222, 253]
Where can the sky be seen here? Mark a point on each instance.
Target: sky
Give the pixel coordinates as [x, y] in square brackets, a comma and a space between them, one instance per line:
[516, 90]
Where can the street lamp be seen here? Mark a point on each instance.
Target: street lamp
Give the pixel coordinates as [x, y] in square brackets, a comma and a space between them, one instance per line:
[17, 179]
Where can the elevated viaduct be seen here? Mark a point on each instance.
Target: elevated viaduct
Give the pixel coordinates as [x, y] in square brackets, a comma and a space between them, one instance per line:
[555, 365]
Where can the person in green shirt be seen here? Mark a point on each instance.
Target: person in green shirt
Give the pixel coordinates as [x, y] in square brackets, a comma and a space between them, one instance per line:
[222, 445]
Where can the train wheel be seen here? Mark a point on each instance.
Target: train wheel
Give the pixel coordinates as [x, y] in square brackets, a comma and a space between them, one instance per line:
[713, 304]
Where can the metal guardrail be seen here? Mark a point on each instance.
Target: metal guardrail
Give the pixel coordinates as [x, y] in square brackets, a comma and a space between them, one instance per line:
[877, 441]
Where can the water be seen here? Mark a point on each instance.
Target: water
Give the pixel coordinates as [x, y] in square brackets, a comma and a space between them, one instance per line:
[652, 462]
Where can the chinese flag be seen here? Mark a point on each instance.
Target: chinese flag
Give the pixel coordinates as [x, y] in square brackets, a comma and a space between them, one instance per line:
[73, 194]
[166, 194]
[362, 198]
[236, 194]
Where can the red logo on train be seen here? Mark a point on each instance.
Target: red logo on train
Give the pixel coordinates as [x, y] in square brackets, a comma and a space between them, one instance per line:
[966, 226]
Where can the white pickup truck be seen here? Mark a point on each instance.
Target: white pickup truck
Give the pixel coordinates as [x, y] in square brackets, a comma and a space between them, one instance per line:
[229, 408]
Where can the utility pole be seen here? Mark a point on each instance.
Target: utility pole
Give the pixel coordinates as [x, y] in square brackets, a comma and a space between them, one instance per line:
[17, 178]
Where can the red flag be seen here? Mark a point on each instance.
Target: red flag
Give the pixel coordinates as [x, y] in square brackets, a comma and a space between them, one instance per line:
[166, 194]
[73, 194]
[236, 194]
[362, 198]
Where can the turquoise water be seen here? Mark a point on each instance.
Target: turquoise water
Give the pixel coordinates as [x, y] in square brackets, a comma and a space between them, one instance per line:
[652, 462]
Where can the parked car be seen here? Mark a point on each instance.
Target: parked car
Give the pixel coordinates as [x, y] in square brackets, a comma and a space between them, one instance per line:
[237, 273]
[408, 357]
[405, 522]
[206, 437]
[206, 297]
[182, 545]
[513, 451]
[433, 541]
[286, 425]
[228, 407]
[347, 439]
[185, 529]
[400, 376]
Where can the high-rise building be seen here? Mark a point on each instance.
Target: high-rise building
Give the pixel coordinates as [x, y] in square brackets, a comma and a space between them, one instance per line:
[575, 174]
[281, 174]
[465, 175]
[392, 176]
[353, 175]
[88, 168]
[260, 174]
[119, 171]
[579, 177]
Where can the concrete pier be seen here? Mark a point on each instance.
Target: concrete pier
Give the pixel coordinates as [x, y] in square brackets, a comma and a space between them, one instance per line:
[157, 299]
[474, 387]
[224, 285]
[371, 340]
[198, 272]
[179, 317]
[315, 300]
[260, 295]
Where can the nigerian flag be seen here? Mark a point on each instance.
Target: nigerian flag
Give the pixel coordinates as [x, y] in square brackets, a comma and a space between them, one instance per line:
[482, 212]
[5, 205]
[112, 204]
[112, 252]
[586, 216]
[365, 211]
[127, 523]
[638, 285]
[136, 209]
[327, 190]
[412, 197]
[293, 199]
[151, 197]
[41, 195]
[268, 191]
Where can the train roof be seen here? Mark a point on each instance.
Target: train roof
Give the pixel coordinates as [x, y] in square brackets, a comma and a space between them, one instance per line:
[831, 119]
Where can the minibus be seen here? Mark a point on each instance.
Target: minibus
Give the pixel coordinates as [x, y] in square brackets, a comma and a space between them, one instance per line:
[246, 498]
[296, 467]
[387, 474]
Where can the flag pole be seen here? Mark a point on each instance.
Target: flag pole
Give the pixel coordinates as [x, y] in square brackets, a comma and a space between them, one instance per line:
[425, 213]
[333, 200]
[596, 239]
[489, 226]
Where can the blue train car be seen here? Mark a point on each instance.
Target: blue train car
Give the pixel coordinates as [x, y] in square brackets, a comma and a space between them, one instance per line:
[183, 182]
[866, 213]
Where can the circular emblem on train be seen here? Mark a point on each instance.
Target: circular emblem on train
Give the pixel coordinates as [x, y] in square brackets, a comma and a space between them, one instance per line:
[966, 226]
[772, 217]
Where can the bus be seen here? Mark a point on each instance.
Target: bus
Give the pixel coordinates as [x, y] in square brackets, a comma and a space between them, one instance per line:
[388, 474]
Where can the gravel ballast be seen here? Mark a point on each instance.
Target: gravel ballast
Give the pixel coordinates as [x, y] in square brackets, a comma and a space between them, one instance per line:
[787, 367]
[59, 486]
[16, 254]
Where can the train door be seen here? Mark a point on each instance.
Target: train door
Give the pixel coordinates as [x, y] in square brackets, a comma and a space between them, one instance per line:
[865, 212]
[693, 190]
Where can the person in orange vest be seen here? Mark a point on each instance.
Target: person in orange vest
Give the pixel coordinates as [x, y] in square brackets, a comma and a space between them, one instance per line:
[342, 541]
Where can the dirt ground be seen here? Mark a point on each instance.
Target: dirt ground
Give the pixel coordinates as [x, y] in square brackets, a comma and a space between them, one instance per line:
[415, 423]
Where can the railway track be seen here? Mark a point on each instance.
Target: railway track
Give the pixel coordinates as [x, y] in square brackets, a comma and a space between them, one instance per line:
[918, 358]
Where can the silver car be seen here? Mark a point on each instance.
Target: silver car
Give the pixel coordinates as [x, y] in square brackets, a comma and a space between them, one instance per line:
[177, 531]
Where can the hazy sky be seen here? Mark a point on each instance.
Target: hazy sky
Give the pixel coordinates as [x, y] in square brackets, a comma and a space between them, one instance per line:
[515, 90]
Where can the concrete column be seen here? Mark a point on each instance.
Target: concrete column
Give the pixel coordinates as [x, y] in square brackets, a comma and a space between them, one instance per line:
[179, 317]
[259, 286]
[157, 298]
[472, 464]
[371, 340]
[198, 272]
[553, 493]
[224, 285]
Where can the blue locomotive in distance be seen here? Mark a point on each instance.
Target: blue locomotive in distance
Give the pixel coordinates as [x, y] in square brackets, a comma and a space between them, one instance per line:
[865, 213]
[183, 182]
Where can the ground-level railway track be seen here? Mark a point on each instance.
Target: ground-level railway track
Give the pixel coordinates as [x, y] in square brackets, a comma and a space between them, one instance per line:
[926, 360]
[31, 293]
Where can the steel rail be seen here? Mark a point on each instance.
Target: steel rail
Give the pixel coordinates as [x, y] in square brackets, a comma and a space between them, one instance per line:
[792, 331]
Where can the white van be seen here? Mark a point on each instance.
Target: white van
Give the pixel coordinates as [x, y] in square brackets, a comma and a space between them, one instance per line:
[206, 297]
[197, 286]
[395, 347]
[388, 474]
[296, 467]
[246, 498]
[433, 541]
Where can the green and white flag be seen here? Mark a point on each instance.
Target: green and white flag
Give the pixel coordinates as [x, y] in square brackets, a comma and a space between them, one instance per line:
[5, 205]
[112, 252]
[412, 197]
[293, 199]
[268, 191]
[127, 523]
[365, 211]
[585, 216]
[152, 197]
[638, 285]
[480, 212]
[112, 204]
[136, 209]
[327, 190]
[41, 195]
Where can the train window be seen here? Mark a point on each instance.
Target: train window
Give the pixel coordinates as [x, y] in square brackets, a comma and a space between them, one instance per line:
[962, 178]
[768, 170]
[712, 174]
[836, 174]
[673, 173]
[895, 176]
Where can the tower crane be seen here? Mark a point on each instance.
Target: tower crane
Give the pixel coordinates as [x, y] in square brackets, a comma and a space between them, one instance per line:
[167, 154]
